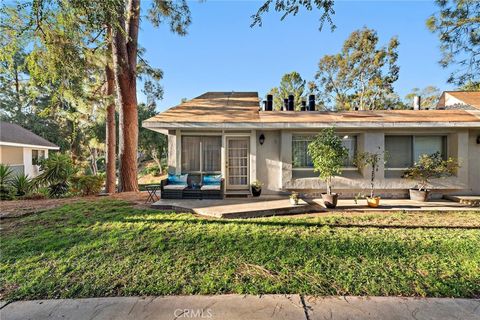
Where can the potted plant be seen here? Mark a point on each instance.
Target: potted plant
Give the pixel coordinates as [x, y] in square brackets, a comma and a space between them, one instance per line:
[256, 187]
[294, 198]
[428, 167]
[327, 153]
[372, 160]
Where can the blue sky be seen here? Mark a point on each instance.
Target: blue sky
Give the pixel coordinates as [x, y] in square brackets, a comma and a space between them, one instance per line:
[222, 53]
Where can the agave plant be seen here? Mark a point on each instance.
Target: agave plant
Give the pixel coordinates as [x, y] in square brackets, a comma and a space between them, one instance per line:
[22, 184]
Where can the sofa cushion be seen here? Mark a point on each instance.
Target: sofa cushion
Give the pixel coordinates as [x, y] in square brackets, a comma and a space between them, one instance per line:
[175, 187]
[177, 179]
[210, 187]
[212, 179]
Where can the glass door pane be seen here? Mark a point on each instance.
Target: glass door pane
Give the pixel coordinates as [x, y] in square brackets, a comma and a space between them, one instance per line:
[237, 165]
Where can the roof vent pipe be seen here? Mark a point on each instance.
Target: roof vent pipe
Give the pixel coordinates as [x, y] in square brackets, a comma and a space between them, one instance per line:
[416, 103]
[311, 102]
[264, 105]
[269, 106]
[291, 102]
[304, 105]
[285, 104]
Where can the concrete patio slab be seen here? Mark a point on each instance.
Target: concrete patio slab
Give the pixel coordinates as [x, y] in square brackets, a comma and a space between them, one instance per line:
[236, 307]
[270, 206]
[238, 208]
[473, 201]
[365, 308]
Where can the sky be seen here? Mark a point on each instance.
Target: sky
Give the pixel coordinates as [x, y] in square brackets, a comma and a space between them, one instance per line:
[222, 53]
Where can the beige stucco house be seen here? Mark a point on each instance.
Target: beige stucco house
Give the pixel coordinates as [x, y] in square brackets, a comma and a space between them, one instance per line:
[21, 149]
[228, 133]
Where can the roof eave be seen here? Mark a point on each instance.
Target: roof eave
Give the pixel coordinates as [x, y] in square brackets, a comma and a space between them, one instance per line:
[304, 125]
[24, 145]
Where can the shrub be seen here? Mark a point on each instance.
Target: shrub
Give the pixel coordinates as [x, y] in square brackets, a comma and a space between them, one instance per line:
[22, 184]
[327, 153]
[430, 167]
[87, 184]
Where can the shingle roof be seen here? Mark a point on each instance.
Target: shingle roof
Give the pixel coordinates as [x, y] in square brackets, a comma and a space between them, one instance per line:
[13, 133]
[242, 108]
[471, 98]
[214, 107]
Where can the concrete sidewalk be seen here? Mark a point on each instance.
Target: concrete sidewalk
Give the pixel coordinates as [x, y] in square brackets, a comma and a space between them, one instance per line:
[233, 307]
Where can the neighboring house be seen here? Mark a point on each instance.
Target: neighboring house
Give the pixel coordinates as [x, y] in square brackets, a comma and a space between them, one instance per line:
[466, 100]
[21, 149]
[227, 133]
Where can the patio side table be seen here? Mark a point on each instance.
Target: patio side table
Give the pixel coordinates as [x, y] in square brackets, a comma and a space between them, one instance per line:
[152, 192]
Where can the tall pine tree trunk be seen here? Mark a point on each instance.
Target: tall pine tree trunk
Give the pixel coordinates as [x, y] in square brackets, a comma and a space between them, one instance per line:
[124, 52]
[110, 133]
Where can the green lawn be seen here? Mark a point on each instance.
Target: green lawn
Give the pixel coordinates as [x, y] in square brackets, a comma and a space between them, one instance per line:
[107, 248]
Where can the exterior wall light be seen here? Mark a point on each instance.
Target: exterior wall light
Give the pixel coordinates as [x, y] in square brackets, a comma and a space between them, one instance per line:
[261, 139]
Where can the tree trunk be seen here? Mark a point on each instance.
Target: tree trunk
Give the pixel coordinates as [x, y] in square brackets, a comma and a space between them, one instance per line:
[124, 52]
[129, 134]
[110, 134]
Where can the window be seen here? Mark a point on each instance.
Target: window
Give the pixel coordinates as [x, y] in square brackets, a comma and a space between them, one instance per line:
[37, 156]
[301, 159]
[403, 151]
[201, 154]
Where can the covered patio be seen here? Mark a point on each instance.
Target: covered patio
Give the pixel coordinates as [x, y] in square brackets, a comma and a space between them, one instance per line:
[280, 205]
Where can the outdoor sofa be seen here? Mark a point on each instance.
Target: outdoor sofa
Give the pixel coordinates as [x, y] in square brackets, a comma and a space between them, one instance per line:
[185, 187]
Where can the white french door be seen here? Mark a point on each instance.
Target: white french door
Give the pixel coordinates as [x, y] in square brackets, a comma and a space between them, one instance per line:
[238, 163]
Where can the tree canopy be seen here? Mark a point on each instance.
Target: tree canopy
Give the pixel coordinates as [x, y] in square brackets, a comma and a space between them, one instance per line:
[457, 24]
[361, 75]
[291, 83]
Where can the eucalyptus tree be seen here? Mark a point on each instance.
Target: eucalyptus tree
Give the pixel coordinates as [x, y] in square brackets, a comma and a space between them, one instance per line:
[291, 84]
[361, 75]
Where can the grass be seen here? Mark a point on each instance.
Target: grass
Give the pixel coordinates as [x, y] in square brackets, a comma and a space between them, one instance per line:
[108, 248]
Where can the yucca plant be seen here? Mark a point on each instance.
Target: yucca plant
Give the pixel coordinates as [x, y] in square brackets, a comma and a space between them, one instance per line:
[22, 184]
[5, 178]
[55, 172]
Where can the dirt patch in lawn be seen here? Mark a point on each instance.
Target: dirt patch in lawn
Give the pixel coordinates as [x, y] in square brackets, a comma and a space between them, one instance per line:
[19, 208]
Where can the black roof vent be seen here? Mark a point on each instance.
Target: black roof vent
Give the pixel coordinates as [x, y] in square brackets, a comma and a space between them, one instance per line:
[311, 102]
[291, 102]
[269, 103]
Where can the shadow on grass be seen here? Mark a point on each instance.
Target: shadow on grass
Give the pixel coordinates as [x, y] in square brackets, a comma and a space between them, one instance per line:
[299, 224]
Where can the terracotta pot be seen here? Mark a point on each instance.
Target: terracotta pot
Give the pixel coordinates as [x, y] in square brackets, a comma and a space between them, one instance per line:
[373, 202]
[418, 195]
[330, 200]
[256, 192]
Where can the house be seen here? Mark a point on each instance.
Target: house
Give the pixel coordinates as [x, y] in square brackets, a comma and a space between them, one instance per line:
[228, 133]
[459, 100]
[21, 149]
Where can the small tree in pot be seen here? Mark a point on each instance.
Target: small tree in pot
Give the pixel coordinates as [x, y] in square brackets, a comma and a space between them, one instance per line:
[328, 153]
[373, 160]
[427, 168]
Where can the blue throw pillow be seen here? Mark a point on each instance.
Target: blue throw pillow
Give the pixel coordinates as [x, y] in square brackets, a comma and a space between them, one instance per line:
[211, 179]
[177, 179]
